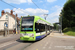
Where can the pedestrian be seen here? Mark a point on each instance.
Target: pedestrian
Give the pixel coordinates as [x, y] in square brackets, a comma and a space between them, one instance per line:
[18, 29]
[14, 31]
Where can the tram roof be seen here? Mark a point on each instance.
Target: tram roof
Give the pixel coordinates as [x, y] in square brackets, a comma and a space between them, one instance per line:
[43, 20]
[37, 18]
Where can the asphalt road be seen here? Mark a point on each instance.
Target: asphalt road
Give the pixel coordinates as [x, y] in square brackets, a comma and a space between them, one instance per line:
[13, 43]
[47, 43]
[53, 43]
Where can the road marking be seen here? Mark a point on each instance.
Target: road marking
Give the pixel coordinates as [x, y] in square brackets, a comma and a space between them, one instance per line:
[50, 46]
[45, 45]
[7, 43]
[65, 37]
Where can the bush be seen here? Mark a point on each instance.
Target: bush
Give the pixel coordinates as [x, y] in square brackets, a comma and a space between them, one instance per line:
[69, 31]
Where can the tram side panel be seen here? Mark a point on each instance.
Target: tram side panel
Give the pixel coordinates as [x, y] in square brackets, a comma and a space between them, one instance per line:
[40, 31]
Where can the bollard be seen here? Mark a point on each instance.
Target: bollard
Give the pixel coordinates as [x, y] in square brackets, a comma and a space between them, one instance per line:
[16, 32]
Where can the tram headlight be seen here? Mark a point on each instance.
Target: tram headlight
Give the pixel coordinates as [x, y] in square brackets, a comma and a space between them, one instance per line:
[32, 35]
[21, 35]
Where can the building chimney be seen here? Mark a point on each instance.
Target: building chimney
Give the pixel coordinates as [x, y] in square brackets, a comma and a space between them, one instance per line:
[2, 13]
[16, 15]
[11, 12]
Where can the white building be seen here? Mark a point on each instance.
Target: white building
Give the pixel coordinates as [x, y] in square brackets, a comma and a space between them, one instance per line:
[8, 18]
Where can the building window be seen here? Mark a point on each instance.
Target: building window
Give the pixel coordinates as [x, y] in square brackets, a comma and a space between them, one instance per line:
[6, 24]
[6, 17]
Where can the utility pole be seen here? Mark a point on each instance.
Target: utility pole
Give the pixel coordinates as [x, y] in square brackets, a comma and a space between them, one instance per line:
[61, 22]
[45, 24]
[8, 24]
[16, 23]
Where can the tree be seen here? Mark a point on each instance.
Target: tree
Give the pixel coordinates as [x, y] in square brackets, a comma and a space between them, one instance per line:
[68, 14]
[56, 26]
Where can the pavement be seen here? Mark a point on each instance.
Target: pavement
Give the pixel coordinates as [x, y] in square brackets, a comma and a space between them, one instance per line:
[8, 36]
[56, 33]
[60, 35]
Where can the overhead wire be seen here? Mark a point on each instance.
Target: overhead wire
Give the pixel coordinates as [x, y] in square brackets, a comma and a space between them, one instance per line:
[20, 9]
[37, 6]
[13, 6]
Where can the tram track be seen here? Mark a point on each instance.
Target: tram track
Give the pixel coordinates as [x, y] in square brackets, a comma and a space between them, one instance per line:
[15, 45]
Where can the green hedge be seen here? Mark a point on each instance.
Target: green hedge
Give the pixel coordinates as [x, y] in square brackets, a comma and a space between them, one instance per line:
[69, 31]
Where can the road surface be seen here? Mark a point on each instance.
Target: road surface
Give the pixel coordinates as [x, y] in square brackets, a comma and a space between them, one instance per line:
[47, 43]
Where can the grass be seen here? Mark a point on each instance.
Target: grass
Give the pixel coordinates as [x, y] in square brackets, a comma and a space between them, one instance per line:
[69, 31]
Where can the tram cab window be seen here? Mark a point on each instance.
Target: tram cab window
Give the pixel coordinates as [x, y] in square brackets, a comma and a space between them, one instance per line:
[27, 24]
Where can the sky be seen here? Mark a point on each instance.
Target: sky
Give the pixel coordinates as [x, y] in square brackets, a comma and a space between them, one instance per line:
[27, 7]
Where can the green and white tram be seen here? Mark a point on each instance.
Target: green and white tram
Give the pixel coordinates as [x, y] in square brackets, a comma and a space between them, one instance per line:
[33, 28]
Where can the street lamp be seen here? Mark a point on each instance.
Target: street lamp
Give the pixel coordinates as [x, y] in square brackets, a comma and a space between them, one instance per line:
[45, 16]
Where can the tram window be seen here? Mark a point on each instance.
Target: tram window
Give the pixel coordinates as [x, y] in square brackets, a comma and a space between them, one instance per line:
[48, 27]
[42, 27]
[39, 27]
